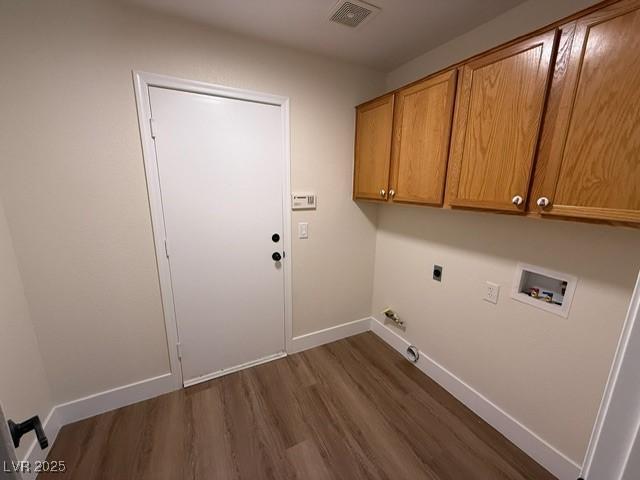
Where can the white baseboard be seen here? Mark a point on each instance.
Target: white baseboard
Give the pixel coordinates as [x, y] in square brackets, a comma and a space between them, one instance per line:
[51, 426]
[106, 401]
[545, 454]
[327, 335]
[556, 462]
[92, 405]
[102, 402]
[115, 398]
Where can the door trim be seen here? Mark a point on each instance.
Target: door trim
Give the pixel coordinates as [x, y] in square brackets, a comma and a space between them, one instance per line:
[142, 82]
[618, 419]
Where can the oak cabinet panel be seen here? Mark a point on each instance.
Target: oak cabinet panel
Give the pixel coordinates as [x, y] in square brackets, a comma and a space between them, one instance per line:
[374, 122]
[421, 134]
[548, 125]
[589, 160]
[496, 126]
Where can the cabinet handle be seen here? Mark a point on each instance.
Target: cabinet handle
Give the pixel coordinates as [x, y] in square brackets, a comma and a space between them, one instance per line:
[543, 202]
[383, 193]
[392, 193]
[517, 200]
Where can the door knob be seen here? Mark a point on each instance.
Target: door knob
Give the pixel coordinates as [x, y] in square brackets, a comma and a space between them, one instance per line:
[517, 200]
[383, 193]
[543, 202]
[276, 256]
[18, 430]
[392, 193]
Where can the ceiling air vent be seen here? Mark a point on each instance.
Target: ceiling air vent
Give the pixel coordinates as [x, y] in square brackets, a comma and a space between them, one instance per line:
[353, 12]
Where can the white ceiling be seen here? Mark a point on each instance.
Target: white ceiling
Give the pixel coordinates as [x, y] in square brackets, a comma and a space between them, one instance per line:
[403, 29]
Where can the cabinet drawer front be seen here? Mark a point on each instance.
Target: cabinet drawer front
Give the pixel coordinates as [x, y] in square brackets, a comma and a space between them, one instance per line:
[374, 122]
[593, 160]
[422, 130]
[498, 118]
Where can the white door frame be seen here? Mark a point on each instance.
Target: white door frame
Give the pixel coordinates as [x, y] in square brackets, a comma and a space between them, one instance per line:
[142, 82]
[617, 425]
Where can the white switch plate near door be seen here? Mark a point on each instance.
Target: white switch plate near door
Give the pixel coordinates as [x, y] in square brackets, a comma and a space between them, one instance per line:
[303, 230]
[492, 292]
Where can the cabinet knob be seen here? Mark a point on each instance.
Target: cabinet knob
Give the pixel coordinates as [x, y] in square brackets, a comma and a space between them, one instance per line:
[517, 200]
[543, 202]
[392, 193]
[383, 192]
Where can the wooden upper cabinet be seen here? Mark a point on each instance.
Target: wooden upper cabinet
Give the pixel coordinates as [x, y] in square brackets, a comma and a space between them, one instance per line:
[497, 121]
[374, 122]
[421, 133]
[589, 160]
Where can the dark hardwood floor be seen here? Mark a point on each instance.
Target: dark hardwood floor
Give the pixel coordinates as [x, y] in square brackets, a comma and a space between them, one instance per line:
[353, 409]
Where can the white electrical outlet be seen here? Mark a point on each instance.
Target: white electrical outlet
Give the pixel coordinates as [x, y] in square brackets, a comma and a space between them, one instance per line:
[491, 293]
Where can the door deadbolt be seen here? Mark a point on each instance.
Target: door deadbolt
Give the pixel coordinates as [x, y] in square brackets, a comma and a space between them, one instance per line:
[275, 237]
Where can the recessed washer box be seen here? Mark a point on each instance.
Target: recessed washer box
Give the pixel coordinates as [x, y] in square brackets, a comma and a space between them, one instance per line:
[543, 288]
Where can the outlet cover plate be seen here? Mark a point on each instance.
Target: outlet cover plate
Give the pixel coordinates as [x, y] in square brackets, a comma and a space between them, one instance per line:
[492, 292]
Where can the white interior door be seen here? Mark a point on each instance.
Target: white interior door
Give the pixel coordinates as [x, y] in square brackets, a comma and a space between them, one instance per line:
[221, 168]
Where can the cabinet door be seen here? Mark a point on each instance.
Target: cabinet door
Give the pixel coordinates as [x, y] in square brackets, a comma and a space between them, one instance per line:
[421, 134]
[589, 160]
[500, 106]
[374, 122]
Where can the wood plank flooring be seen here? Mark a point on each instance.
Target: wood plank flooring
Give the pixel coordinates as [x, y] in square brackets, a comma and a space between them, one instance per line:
[353, 409]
